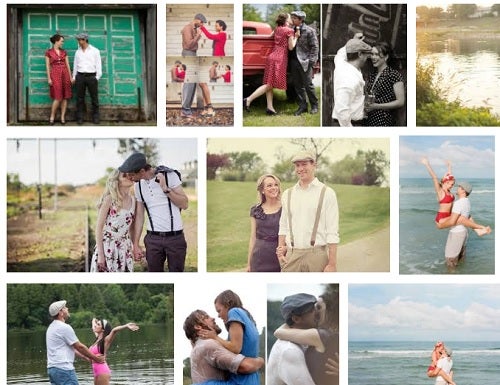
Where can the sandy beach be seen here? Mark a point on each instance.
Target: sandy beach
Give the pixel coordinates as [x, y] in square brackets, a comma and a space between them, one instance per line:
[369, 254]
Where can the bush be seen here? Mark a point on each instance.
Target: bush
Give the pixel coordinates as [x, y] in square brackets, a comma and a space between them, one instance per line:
[434, 110]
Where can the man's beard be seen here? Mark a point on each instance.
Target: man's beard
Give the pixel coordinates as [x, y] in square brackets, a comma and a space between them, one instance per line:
[215, 328]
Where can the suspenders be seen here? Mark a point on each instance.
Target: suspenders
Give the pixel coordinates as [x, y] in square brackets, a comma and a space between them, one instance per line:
[316, 220]
[147, 210]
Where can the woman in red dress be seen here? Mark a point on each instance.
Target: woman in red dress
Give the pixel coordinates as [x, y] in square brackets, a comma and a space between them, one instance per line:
[276, 63]
[219, 38]
[59, 77]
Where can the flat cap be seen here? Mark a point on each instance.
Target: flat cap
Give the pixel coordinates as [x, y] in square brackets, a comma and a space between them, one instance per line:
[82, 35]
[303, 155]
[295, 302]
[357, 45]
[299, 14]
[134, 163]
[56, 307]
[466, 186]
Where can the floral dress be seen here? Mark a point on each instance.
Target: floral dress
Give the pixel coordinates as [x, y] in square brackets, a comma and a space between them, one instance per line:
[61, 78]
[118, 248]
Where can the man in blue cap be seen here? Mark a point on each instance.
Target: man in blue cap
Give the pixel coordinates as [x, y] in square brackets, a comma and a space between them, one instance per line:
[302, 59]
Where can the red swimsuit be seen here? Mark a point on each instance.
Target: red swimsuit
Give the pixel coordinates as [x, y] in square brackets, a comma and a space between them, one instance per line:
[448, 198]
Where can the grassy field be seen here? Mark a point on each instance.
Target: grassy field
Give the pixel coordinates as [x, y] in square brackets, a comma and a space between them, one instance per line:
[57, 242]
[257, 117]
[363, 210]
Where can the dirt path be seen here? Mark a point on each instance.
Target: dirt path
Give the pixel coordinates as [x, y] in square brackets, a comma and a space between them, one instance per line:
[369, 254]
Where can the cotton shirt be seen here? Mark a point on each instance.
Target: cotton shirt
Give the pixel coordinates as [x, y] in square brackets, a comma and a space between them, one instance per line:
[304, 204]
[444, 363]
[348, 91]
[209, 361]
[88, 61]
[461, 207]
[60, 338]
[157, 202]
[286, 365]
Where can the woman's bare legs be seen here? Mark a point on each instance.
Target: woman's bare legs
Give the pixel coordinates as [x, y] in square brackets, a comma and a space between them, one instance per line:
[258, 92]
[53, 110]
[207, 101]
[102, 379]
[269, 99]
[64, 106]
[467, 222]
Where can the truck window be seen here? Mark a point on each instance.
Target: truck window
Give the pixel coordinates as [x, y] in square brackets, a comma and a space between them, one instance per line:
[249, 31]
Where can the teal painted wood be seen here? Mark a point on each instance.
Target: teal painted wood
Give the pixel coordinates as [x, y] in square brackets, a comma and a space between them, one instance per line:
[115, 33]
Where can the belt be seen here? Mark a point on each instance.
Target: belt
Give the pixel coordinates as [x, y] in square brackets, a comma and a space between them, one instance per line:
[269, 238]
[86, 73]
[165, 233]
[353, 122]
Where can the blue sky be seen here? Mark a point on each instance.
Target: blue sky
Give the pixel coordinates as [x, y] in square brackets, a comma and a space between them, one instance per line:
[78, 162]
[424, 312]
[471, 156]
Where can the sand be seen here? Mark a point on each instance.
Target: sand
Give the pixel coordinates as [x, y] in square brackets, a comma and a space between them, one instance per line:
[369, 254]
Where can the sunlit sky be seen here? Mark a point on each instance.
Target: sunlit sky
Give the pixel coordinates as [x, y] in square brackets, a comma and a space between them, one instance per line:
[79, 162]
[470, 156]
[424, 312]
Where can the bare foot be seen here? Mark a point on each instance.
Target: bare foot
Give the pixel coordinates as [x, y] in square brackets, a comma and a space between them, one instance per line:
[483, 230]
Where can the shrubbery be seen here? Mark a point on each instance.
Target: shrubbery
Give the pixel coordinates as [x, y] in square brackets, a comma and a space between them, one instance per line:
[433, 109]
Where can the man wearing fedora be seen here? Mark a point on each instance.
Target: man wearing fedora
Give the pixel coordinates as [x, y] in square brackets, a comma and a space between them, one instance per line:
[62, 343]
[159, 192]
[302, 60]
[309, 224]
[349, 85]
[87, 70]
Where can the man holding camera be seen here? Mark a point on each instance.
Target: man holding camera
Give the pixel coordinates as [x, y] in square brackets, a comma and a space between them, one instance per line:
[159, 192]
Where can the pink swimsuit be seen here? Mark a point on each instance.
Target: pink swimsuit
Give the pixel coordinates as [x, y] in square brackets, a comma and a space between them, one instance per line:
[99, 368]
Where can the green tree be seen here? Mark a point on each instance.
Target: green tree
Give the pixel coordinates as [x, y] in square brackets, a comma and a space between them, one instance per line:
[344, 169]
[148, 146]
[250, 13]
[462, 11]
[244, 165]
[495, 8]
[427, 14]
[375, 165]
[215, 162]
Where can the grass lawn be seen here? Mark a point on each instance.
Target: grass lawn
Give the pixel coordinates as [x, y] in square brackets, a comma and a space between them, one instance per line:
[257, 117]
[363, 210]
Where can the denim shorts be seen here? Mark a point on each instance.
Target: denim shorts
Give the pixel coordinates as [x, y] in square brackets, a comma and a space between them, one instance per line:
[62, 377]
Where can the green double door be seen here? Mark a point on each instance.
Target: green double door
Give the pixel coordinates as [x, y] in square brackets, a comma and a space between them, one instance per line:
[115, 33]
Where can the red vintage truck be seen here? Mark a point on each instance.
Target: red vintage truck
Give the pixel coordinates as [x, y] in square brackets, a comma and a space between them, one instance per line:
[257, 44]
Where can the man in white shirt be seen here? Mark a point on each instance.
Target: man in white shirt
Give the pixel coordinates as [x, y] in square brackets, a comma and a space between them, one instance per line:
[159, 192]
[286, 364]
[309, 223]
[62, 343]
[87, 70]
[349, 85]
[443, 372]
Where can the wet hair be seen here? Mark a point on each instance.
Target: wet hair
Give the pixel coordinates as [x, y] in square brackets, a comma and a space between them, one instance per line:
[106, 330]
[55, 38]
[260, 186]
[222, 24]
[191, 321]
[281, 19]
[230, 299]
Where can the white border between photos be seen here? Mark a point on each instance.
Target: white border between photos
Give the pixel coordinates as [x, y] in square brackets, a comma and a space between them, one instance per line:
[188, 283]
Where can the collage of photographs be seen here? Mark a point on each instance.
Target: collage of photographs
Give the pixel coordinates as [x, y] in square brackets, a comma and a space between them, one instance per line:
[205, 142]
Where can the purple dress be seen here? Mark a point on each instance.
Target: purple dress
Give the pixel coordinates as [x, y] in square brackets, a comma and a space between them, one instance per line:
[264, 257]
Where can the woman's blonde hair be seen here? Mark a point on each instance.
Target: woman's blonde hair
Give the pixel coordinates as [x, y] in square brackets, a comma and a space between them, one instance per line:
[112, 190]
[260, 187]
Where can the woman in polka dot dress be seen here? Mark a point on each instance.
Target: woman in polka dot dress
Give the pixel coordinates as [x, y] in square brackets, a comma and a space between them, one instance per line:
[385, 88]
[276, 63]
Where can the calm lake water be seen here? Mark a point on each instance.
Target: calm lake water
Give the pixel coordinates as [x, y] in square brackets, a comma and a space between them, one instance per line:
[144, 357]
[471, 68]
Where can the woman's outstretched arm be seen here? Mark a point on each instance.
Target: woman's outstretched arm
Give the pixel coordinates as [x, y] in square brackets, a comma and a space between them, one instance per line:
[435, 179]
[111, 336]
